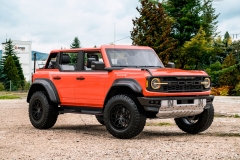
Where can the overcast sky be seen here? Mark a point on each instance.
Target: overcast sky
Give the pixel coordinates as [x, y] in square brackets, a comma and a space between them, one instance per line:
[53, 24]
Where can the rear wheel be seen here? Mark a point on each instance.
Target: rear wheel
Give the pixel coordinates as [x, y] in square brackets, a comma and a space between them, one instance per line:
[122, 117]
[100, 119]
[42, 113]
[198, 123]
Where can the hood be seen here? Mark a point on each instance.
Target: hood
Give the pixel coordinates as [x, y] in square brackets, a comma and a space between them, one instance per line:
[176, 72]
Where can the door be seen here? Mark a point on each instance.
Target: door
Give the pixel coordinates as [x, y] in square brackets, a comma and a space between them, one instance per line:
[64, 83]
[90, 88]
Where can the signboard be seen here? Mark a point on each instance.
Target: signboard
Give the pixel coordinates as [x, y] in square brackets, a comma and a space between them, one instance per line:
[21, 48]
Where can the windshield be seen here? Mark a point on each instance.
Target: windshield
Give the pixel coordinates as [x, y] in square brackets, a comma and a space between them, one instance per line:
[133, 58]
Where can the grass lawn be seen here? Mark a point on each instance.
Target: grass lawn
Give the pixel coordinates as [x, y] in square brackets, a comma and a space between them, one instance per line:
[12, 95]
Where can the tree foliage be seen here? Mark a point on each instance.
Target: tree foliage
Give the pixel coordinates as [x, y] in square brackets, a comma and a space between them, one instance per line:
[187, 28]
[11, 71]
[189, 16]
[209, 19]
[153, 29]
[231, 72]
[195, 52]
[9, 52]
[75, 44]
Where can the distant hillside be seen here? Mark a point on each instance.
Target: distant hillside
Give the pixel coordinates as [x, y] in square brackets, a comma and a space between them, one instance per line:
[39, 55]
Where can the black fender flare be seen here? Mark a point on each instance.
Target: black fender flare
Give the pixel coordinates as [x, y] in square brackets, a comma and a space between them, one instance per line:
[48, 86]
[126, 82]
[131, 83]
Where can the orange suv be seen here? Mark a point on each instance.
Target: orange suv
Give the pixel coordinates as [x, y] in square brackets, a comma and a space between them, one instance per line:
[121, 86]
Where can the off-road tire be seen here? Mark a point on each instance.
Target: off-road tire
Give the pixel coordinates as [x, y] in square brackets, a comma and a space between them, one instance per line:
[123, 118]
[202, 122]
[42, 113]
[100, 119]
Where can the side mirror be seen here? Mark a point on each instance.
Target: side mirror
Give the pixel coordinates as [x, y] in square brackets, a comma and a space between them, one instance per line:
[170, 65]
[96, 65]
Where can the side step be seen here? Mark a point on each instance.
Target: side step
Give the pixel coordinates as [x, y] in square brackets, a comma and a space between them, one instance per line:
[80, 110]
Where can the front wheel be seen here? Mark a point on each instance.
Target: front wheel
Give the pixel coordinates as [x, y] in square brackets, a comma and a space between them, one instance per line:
[42, 113]
[122, 117]
[198, 123]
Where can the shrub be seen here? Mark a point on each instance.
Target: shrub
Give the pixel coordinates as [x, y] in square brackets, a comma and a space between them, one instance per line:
[27, 85]
[2, 87]
[221, 91]
[237, 89]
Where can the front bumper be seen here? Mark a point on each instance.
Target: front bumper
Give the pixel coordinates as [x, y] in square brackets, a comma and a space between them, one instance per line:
[176, 107]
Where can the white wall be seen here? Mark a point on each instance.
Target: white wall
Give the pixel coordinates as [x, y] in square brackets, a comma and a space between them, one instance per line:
[24, 52]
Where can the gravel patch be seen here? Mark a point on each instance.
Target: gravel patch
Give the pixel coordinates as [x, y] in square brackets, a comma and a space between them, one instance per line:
[78, 136]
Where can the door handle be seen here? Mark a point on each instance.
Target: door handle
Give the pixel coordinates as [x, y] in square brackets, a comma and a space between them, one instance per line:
[57, 78]
[80, 78]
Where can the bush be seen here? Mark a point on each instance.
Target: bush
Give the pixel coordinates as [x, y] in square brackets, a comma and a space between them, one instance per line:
[221, 91]
[27, 85]
[237, 89]
[2, 87]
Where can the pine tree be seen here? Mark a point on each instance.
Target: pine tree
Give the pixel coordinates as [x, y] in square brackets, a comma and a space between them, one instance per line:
[11, 71]
[186, 18]
[189, 16]
[153, 29]
[75, 44]
[9, 51]
[209, 19]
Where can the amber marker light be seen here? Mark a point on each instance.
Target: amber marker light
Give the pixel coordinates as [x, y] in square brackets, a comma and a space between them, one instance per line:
[146, 83]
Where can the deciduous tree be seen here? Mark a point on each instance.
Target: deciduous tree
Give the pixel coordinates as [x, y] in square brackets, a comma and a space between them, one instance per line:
[196, 52]
[153, 28]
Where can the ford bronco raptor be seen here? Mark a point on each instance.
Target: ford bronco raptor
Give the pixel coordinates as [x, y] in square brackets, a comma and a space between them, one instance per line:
[121, 86]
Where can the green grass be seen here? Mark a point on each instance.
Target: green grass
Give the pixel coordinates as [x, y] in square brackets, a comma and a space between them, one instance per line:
[227, 134]
[158, 124]
[236, 116]
[8, 95]
[227, 115]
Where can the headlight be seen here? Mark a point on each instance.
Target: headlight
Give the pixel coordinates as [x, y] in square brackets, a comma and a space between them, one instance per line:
[206, 83]
[155, 83]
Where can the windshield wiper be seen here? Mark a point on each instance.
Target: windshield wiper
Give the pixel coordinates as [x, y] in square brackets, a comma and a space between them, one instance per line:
[125, 66]
[151, 66]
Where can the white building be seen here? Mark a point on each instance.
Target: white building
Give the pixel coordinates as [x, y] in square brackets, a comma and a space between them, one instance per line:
[24, 52]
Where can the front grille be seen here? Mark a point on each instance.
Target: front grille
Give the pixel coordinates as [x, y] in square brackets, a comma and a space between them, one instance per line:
[182, 88]
[181, 84]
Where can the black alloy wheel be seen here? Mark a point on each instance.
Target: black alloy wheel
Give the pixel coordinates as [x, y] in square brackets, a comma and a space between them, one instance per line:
[123, 116]
[37, 110]
[120, 117]
[198, 123]
[43, 113]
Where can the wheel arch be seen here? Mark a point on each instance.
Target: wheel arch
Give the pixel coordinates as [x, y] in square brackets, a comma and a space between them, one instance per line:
[44, 85]
[124, 86]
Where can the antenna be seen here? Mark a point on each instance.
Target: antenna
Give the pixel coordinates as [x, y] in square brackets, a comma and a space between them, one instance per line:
[114, 34]
[6, 37]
